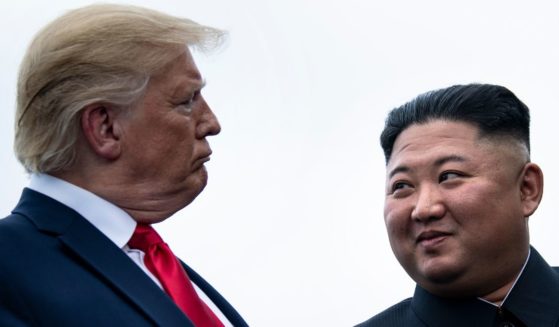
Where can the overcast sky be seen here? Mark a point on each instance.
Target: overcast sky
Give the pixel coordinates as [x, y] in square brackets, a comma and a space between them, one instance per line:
[290, 227]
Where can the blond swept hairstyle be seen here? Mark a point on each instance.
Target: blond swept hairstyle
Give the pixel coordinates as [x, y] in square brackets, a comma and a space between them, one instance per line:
[95, 54]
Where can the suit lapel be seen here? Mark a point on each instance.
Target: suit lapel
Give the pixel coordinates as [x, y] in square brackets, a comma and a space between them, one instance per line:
[97, 253]
[227, 309]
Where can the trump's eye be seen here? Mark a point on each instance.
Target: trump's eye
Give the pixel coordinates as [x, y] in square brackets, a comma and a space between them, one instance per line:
[188, 103]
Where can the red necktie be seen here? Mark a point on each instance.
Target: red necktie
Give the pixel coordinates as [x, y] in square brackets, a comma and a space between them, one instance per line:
[165, 266]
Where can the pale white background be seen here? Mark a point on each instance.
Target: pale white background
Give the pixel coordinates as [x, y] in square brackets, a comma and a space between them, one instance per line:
[290, 227]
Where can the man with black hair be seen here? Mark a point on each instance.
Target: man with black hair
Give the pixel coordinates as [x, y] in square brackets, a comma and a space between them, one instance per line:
[459, 190]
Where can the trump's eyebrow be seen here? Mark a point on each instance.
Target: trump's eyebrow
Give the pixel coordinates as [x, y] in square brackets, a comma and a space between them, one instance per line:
[439, 162]
[188, 87]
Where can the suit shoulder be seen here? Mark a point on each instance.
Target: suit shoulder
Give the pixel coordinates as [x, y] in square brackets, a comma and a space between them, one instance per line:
[16, 233]
[13, 223]
[399, 314]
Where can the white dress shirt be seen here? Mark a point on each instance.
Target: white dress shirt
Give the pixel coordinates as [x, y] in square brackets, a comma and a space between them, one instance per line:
[112, 221]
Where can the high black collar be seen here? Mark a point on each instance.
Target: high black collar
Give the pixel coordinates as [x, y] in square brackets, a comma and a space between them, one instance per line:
[534, 301]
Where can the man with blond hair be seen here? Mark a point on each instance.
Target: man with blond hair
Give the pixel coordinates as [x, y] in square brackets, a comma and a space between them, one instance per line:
[112, 127]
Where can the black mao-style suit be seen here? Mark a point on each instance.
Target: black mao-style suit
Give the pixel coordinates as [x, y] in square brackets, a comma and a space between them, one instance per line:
[533, 302]
[56, 269]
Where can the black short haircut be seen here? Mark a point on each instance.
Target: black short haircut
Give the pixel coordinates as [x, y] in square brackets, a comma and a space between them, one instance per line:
[493, 109]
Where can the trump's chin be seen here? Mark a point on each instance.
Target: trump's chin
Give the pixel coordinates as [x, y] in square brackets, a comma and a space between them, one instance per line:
[195, 184]
[191, 188]
[159, 204]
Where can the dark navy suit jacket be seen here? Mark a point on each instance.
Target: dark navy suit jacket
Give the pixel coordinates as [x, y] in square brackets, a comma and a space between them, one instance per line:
[533, 302]
[56, 269]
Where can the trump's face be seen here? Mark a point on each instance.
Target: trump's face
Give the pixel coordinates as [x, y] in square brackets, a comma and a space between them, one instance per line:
[165, 141]
[455, 207]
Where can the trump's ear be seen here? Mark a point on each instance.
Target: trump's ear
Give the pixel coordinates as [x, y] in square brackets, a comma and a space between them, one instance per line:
[531, 188]
[102, 130]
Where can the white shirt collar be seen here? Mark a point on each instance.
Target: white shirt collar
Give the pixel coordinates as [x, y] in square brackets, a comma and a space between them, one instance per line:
[111, 220]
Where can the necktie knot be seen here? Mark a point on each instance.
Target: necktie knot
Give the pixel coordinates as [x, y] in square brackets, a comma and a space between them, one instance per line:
[144, 237]
[167, 269]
